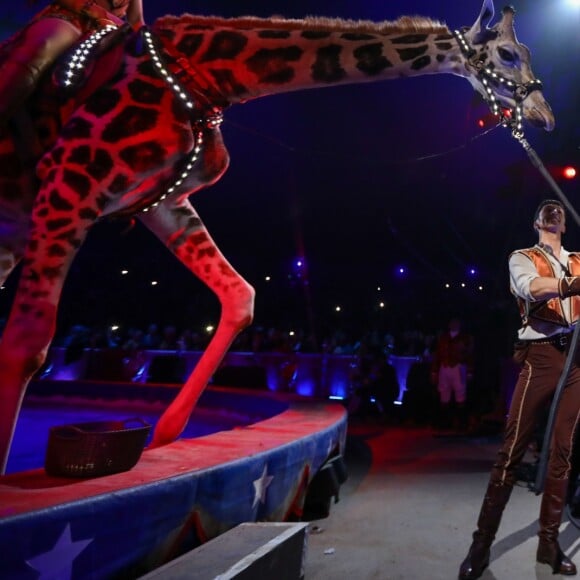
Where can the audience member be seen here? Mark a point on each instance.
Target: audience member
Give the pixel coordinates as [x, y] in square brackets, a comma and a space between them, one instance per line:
[451, 369]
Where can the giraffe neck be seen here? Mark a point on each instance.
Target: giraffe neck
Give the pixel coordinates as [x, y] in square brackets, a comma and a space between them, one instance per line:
[250, 58]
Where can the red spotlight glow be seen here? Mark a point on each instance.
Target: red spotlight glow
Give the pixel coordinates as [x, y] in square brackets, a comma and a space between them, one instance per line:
[487, 120]
[569, 172]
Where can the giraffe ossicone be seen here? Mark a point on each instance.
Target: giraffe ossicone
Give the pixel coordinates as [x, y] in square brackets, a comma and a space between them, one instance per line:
[135, 144]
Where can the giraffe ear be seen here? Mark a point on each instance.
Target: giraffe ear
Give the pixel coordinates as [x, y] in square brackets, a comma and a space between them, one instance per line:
[480, 32]
[506, 24]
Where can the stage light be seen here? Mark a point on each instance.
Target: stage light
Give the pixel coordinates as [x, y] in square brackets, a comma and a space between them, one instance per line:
[209, 328]
[463, 284]
[267, 278]
[472, 271]
[291, 333]
[337, 309]
[569, 172]
[124, 272]
[381, 304]
[154, 283]
[115, 327]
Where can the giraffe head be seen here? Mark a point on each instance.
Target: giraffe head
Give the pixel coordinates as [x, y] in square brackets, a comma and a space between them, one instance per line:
[498, 67]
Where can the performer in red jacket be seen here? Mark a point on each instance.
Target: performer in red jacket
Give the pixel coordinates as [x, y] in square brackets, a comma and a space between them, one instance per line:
[451, 368]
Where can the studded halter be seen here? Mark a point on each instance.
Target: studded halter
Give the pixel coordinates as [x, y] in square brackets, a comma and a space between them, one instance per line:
[489, 78]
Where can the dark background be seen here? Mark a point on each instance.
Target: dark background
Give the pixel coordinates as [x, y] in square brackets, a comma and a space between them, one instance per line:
[359, 181]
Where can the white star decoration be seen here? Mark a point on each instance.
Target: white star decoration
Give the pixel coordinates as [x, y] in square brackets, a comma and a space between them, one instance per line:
[261, 486]
[56, 564]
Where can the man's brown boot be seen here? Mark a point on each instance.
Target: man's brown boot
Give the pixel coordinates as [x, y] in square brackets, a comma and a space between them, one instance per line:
[477, 560]
[549, 551]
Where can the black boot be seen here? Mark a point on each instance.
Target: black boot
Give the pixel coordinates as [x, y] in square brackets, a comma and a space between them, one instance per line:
[477, 560]
[549, 551]
[18, 82]
[25, 64]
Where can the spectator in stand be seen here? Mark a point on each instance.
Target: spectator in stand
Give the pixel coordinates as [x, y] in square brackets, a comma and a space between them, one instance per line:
[152, 338]
[169, 338]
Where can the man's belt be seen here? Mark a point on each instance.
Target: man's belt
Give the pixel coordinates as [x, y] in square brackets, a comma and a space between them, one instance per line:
[558, 340]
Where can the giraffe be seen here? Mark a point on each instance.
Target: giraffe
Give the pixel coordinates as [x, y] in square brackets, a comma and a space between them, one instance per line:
[149, 137]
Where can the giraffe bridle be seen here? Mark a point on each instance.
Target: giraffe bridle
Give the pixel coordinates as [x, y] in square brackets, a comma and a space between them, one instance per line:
[189, 87]
[169, 60]
[511, 117]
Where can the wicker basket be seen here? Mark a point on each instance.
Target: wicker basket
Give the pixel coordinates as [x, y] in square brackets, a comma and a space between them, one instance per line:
[94, 449]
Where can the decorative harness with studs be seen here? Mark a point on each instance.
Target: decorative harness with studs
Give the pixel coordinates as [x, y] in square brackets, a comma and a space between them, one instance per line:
[183, 80]
[186, 75]
[73, 72]
[514, 118]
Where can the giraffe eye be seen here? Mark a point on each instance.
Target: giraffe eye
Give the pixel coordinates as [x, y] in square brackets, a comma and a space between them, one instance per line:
[506, 55]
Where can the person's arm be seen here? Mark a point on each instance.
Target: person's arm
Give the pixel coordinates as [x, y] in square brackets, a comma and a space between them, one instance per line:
[542, 288]
[91, 9]
[435, 361]
[522, 271]
[526, 283]
[135, 13]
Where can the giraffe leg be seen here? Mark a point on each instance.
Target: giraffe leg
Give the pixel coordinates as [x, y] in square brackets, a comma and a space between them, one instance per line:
[182, 231]
[32, 320]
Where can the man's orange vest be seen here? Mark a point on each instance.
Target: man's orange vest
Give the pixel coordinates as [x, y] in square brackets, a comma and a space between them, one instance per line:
[549, 310]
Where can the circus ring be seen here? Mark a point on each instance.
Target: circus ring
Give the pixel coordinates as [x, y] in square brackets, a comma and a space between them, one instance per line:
[176, 497]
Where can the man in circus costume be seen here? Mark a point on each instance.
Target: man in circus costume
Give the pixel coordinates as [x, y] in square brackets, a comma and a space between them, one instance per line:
[545, 280]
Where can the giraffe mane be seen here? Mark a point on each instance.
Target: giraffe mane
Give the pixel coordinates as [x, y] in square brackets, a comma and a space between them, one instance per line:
[402, 24]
